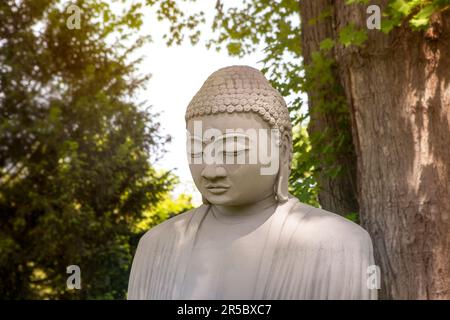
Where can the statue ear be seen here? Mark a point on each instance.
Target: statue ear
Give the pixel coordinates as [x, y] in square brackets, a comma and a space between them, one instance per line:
[282, 181]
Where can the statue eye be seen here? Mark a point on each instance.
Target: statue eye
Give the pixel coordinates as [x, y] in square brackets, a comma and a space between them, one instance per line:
[234, 153]
[195, 155]
[234, 148]
[194, 148]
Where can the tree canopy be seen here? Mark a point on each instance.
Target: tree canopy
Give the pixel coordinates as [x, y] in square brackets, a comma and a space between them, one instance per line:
[75, 148]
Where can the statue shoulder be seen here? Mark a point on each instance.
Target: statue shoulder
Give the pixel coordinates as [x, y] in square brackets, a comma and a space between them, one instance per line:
[327, 229]
[169, 227]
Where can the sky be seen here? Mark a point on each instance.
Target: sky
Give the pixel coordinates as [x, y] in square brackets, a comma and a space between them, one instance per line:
[178, 72]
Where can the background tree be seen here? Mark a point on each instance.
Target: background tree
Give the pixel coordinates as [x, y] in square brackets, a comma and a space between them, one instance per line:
[378, 117]
[75, 149]
[398, 91]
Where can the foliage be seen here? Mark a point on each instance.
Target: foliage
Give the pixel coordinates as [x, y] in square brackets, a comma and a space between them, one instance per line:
[75, 175]
[353, 216]
[416, 12]
[166, 208]
[350, 35]
[302, 183]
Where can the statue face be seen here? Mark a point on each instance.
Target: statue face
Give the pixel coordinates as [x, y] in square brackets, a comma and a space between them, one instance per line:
[228, 157]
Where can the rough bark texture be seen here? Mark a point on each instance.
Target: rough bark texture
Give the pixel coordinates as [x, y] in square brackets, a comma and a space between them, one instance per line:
[336, 194]
[398, 89]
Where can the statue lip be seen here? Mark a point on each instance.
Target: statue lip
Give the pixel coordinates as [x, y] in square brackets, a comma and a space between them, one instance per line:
[213, 188]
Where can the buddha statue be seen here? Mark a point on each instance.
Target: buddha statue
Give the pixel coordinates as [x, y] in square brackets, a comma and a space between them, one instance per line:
[250, 239]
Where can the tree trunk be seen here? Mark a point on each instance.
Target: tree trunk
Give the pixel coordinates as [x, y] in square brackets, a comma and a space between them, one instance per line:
[398, 90]
[336, 194]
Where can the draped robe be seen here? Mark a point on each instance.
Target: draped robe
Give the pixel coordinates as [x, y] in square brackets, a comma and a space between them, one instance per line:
[302, 252]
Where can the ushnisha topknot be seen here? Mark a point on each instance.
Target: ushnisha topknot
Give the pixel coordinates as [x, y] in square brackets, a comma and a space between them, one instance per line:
[240, 89]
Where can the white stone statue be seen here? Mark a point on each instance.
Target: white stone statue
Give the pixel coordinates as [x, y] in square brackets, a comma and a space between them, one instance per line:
[250, 239]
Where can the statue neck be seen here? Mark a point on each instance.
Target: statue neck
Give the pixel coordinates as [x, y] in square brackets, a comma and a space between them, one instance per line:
[258, 209]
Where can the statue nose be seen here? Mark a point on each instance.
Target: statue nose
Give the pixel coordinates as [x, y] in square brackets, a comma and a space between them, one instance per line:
[211, 172]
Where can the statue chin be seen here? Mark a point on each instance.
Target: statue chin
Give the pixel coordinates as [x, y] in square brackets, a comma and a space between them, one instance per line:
[250, 239]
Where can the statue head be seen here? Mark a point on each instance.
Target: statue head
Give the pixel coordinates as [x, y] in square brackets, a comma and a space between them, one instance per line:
[239, 139]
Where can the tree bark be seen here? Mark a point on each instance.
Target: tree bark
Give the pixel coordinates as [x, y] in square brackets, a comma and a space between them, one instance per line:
[335, 194]
[398, 90]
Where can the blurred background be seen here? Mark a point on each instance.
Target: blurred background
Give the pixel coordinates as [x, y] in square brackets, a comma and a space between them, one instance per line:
[92, 132]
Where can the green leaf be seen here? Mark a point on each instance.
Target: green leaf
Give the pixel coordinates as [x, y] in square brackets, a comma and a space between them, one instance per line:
[352, 216]
[402, 6]
[388, 24]
[326, 44]
[422, 18]
[349, 35]
[234, 48]
[55, 113]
